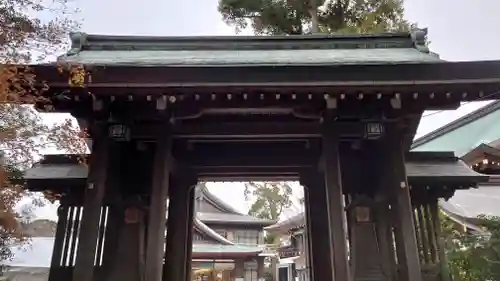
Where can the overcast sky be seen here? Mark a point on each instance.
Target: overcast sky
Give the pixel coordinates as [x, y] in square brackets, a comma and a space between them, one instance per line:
[459, 30]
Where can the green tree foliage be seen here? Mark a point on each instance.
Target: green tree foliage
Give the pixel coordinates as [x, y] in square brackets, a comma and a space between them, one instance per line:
[23, 137]
[473, 256]
[269, 199]
[31, 31]
[286, 17]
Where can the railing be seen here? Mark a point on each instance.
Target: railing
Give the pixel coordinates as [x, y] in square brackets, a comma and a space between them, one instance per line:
[66, 242]
[289, 252]
[427, 230]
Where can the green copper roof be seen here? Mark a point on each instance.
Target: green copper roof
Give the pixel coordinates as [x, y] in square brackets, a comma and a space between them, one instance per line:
[232, 219]
[464, 134]
[256, 50]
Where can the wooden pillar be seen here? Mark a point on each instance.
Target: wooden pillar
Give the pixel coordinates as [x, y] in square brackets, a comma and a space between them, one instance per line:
[57, 252]
[308, 240]
[189, 237]
[321, 258]
[366, 255]
[158, 208]
[440, 243]
[94, 193]
[406, 243]
[179, 219]
[239, 270]
[335, 200]
[125, 237]
[386, 240]
[128, 262]
[113, 200]
[260, 268]
[431, 233]
[113, 228]
[72, 226]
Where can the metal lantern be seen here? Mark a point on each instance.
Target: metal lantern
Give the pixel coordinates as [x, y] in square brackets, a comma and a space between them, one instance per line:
[119, 132]
[363, 213]
[374, 130]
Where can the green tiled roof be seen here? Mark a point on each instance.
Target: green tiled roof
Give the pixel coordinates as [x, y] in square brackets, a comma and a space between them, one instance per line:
[464, 134]
[268, 57]
[216, 248]
[237, 50]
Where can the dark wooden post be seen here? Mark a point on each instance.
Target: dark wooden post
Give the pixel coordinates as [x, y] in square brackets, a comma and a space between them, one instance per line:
[308, 240]
[440, 243]
[113, 200]
[157, 208]
[124, 241]
[57, 253]
[94, 193]
[320, 258]
[113, 228]
[239, 270]
[260, 268]
[431, 233]
[179, 219]
[189, 237]
[366, 261]
[406, 243]
[386, 240]
[335, 199]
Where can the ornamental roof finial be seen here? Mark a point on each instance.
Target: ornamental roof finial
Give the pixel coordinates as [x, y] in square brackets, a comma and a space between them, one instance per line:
[419, 37]
[78, 39]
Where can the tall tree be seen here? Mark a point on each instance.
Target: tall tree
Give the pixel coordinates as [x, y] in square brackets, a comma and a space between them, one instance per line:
[269, 199]
[286, 17]
[30, 31]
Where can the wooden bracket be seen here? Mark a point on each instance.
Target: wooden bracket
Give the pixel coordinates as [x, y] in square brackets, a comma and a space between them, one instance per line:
[161, 103]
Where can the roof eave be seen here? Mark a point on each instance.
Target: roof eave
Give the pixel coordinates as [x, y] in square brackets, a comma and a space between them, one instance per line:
[245, 222]
[480, 150]
[212, 255]
[211, 233]
[471, 223]
[282, 227]
[465, 181]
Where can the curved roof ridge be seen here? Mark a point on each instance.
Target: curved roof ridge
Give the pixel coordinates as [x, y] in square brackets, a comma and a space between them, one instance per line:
[219, 204]
[82, 40]
[480, 151]
[229, 218]
[495, 143]
[210, 232]
[462, 221]
[297, 220]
